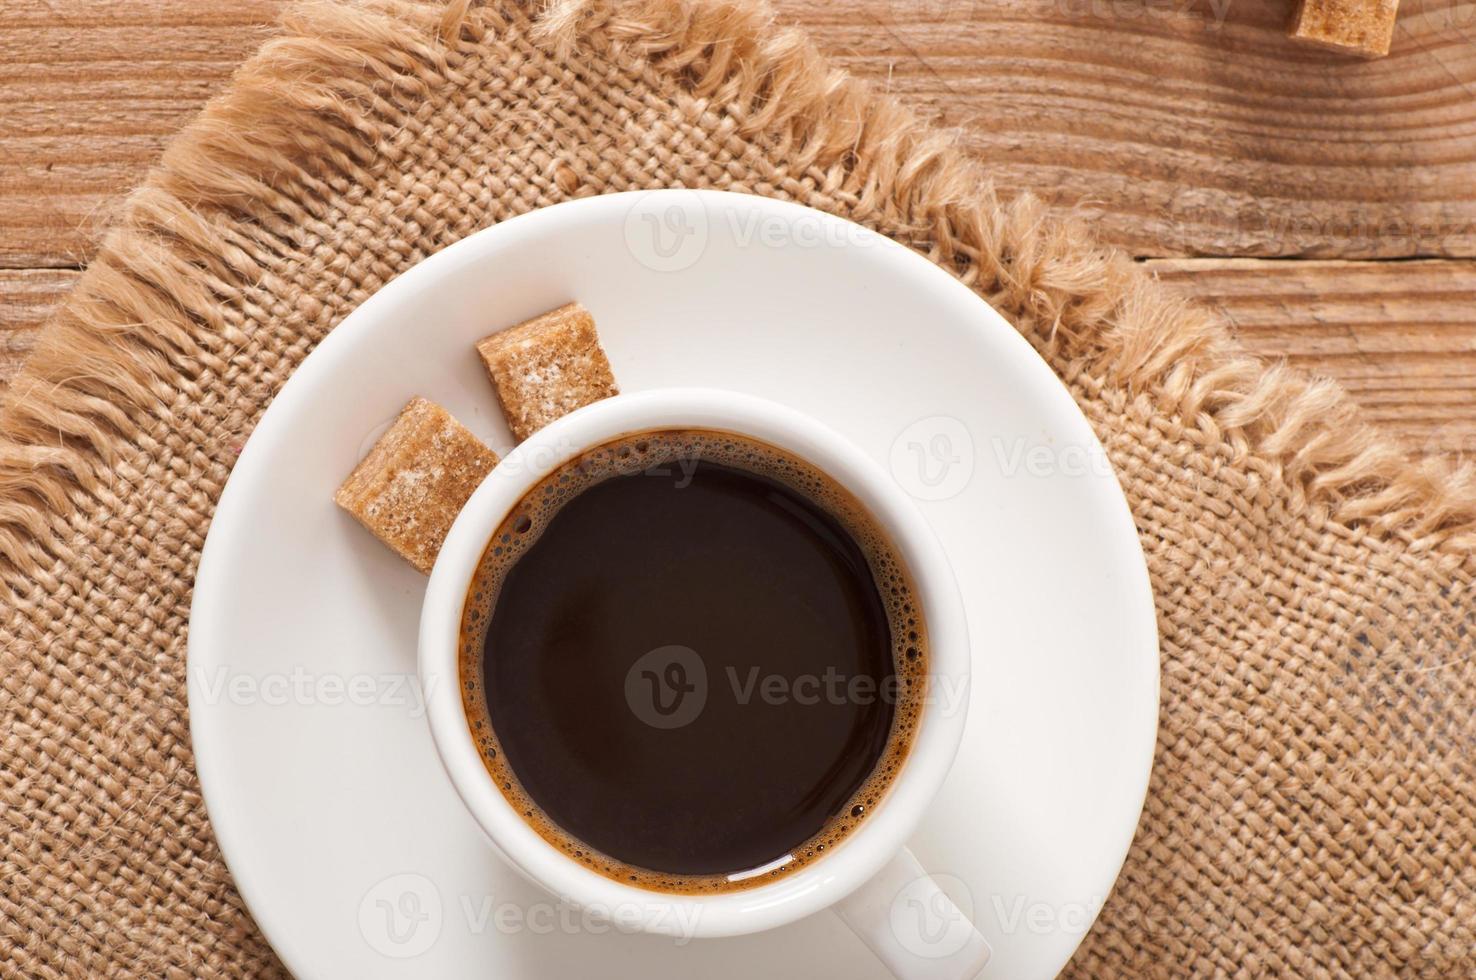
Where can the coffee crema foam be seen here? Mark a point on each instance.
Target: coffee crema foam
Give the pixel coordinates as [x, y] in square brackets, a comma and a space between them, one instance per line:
[636, 453]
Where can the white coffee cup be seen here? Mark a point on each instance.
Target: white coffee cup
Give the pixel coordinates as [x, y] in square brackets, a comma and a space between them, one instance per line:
[869, 878]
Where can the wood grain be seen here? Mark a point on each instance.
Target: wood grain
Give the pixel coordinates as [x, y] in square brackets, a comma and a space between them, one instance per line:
[90, 90]
[1188, 127]
[1400, 336]
[27, 298]
[1181, 127]
[1193, 127]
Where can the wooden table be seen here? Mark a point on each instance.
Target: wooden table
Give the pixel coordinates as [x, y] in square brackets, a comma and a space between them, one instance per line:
[1327, 206]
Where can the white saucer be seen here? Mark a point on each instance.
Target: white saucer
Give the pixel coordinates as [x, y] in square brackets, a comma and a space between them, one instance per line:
[343, 833]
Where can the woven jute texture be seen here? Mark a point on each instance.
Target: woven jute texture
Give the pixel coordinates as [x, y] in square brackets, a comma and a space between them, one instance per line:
[1312, 810]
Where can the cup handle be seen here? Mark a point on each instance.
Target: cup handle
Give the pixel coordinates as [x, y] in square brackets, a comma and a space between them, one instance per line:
[912, 926]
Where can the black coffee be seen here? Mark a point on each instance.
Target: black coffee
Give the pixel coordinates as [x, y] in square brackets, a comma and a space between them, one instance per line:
[691, 660]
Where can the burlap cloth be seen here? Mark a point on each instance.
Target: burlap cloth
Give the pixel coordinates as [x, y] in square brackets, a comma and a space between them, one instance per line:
[1313, 806]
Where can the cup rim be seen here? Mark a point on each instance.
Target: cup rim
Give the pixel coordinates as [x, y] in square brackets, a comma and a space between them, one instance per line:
[858, 856]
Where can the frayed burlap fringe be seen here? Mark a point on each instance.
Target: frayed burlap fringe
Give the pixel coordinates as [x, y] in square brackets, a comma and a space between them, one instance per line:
[1312, 811]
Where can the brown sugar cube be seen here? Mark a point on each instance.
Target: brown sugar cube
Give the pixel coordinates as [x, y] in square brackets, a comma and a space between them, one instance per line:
[547, 367]
[1361, 27]
[415, 480]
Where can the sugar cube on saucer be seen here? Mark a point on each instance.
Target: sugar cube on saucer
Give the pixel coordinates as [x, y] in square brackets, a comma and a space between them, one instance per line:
[547, 367]
[415, 480]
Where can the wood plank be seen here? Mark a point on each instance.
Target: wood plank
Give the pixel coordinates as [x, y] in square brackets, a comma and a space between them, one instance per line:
[1184, 126]
[1180, 126]
[1400, 336]
[1192, 127]
[27, 299]
[90, 91]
